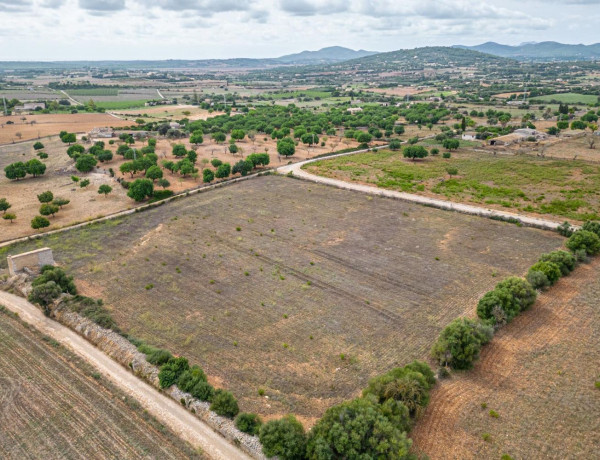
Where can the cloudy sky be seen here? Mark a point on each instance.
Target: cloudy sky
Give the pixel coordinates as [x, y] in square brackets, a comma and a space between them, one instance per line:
[201, 29]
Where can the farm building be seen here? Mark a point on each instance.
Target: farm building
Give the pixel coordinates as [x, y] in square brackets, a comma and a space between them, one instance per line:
[30, 106]
[101, 133]
[508, 139]
[527, 132]
[354, 110]
[174, 125]
[470, 136]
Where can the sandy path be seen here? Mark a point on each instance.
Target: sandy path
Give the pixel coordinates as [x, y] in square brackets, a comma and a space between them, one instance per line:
[168, 411]
[297, 170]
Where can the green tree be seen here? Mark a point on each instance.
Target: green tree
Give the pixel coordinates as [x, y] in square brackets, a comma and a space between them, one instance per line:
[85, 163]
[192, 156]
[196, 138]
[128, 167]
[357, 429]
[139, 189]
[223, 171]
[154, 172]
[185, 167]
[233, 148]
[363, 138]
[459, 344]
[284, 438]
[104, 189]
[451, 144]
[216, 162]
[248, 423]
[45, 197]
[68, 138]
[219, 137]
[286, 147]
[45, 294]
[395, 144]
[48, 209]
[39, 222]
[592, 226]
[565, 260]
[35, 167]
[60, 202]
[58, 275]
[238, 134]
[207, 176]
[75, 150]
[243, 167]
[259, 159]
[224, 403]
[164, 183]
[16, 171]
[584, 240]
[104, 156]
[190, 378]
[550, 269]
[179, 150]
[38, 146]
[84, 183]
[414, 152]
[171, 371]
[4, 205]
[9, 216]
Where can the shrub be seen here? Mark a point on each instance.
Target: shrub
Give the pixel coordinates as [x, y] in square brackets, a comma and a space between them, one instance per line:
[45, 197]
[243, 167]
[395, 144]
[565, 229]
[224, 403]
[286, 147]
[139, 189]
[284, 438]
[565, 260]
[538, 280]
[44, 294]
[459, 344]
[506, 301]
[207, 176]
[58, 276]
[347, 431]
[92, 309]
[446, 155]
[39, 222]
[190, 378]
[38, 146]
[415, 151]
[248, 423]
[84, 183]
[586, 240]
[203, 391]
[156, 356]
[520, 291]
[216, 162]
[434, 151]
[223, 171]
[258, 159]
[550, 269]
[171, 371]
[593, 227]
[60, 202]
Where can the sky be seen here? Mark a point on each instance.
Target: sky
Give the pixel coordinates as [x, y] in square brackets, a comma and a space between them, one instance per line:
[206, 29]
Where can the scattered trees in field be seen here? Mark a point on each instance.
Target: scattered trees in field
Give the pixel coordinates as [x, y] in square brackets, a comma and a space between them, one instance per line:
[509, 298]
[75, 150]
[207, 175]
[38, 146]
[140, 189]
[48, 209]
[286, 147]
[9, 216]
[243, 167]
[451, 144]
[259, 159]
[85, 163]
[104, 189]
[179, 150]
[67, 138]
[415, 151]
[39, 222]
[4, 205]
[154, 172]
[223, 171]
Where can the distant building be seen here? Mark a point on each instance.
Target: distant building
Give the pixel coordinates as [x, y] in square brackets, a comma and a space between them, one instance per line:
[354, 110]
[175, 125]
[101, 133]
[528, 132]
[29, 106]
[509, 139]
[469, 136]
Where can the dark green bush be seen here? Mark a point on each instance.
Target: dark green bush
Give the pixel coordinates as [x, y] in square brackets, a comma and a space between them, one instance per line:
[58, 275]
[565, 260]
[538, 280]
[171, 371]
[459, 344]
[550, 269]
[203, 391]
[593, 227]
[224, 403]
[586, 240]
[92, 309]
[284, 438]
[156, 356]
[190, 378]
[248, 423]
[44, 294]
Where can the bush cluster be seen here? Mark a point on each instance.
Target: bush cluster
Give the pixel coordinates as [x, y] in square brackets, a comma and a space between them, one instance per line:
[460, 343]
[509, 298]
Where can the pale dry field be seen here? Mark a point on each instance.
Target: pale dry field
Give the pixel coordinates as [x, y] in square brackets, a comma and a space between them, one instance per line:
[52, 124]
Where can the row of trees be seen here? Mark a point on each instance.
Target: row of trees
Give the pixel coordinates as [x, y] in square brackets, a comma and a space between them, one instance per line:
[460, 343]
[19, 170]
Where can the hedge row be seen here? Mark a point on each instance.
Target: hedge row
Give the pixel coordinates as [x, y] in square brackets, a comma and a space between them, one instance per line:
[460, 343]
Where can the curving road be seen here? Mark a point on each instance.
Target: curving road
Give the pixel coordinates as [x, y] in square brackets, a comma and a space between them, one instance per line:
[165, 409]
[297, 171]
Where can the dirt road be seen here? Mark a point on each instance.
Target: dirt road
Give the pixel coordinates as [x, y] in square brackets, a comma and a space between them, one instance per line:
[297, 170]
[166, 410]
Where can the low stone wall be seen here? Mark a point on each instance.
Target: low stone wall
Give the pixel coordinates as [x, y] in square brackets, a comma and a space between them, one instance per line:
[125, 353]
[33, 260]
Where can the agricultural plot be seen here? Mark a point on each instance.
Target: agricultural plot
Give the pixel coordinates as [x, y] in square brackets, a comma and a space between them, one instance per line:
[36, 126]
[568, 98]
[22, 194]
[551, 187]
[538, 374]
[56, 406]
[291, 294]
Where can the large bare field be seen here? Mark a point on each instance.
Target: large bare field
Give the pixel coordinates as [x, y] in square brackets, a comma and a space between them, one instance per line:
[538, 374]
[303, 290]
[54, 405]
[85, 203]
[52, 124]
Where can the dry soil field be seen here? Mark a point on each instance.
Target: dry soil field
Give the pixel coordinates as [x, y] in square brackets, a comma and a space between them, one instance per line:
[305, 291]
[53, 406]
[538, 373]
[22, 194]
[563, 189]
[52, 124]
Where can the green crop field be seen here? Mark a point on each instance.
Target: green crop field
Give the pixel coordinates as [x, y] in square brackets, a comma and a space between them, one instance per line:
[302, 290]
[120, 105]
[94, 92]
[560, 188]
[568, 98]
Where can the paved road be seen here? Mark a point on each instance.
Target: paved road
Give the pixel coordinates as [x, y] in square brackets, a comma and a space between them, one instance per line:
[297, 170]
[165, 409]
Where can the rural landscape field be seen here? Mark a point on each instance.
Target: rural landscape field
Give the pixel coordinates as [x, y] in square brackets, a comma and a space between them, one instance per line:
[222, 237]
[54, 405]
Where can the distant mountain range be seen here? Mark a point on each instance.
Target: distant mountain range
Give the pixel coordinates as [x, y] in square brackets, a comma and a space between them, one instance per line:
[324, 56]
[544, 51]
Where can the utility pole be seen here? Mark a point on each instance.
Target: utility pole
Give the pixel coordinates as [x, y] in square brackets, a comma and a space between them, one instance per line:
[5, 110]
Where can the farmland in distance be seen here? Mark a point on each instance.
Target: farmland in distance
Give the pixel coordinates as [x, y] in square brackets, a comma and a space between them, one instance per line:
[301, 290]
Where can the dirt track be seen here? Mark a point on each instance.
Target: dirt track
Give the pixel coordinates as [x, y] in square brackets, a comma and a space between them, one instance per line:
[183, 423]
